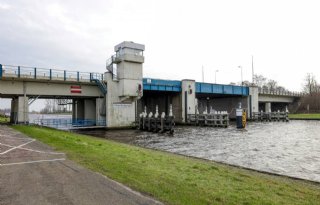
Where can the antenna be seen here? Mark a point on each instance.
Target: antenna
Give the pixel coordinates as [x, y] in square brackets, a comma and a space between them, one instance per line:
[252, 70]
[202, 75]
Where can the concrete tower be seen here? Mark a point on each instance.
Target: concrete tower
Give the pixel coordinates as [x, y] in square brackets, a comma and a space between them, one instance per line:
[124, 81]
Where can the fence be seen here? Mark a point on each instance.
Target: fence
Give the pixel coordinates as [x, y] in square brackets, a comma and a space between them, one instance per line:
[10, 71]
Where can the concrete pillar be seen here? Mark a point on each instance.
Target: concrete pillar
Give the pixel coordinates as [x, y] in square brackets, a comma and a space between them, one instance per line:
[253, 100]
[188, 93]
[100, 110]
[90, 109]
[268, 107]
[78, 109]
[20, 110]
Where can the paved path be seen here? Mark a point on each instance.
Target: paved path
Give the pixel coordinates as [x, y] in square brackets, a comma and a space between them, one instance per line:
[33, 173]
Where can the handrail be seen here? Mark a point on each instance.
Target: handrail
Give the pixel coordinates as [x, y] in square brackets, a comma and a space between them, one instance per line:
[279, 92]
[26, 72]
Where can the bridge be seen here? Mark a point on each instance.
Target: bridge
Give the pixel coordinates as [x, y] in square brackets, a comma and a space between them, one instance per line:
[118, 95]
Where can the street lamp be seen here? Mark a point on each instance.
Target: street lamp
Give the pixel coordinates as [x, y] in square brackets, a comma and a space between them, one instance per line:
[241, 74]
[215, 76]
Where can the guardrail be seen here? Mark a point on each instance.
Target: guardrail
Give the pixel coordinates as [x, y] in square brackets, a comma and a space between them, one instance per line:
[279, 92]
[24, 72]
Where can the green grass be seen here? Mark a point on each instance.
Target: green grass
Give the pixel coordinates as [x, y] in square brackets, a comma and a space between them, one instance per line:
[175, 179]
[305, 116]
[4, 119]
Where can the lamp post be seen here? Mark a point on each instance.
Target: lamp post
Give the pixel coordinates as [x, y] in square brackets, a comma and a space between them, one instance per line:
[215, 76]
[241, 75]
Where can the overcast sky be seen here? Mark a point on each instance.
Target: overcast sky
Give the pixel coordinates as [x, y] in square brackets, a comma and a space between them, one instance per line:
[180, 36]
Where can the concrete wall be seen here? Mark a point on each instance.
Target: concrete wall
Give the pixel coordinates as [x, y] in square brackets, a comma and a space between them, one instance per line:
[276, 98]
[47, 89]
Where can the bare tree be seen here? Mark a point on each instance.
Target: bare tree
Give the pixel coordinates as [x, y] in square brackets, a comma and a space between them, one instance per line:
[260, 80]
[311, 86]
[272, 85]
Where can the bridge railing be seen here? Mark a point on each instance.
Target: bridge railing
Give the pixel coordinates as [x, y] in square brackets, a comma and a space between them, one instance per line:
[24, 72]
[279, 92]
[67, 123]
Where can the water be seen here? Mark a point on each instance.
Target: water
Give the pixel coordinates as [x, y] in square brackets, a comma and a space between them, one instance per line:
[291, 149]
[36, 117]
[58, 121]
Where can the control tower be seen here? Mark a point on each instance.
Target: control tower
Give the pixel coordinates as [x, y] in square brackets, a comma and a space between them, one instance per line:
[124, 81]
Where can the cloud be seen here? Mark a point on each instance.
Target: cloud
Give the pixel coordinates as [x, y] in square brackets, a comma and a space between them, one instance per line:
[4, 6]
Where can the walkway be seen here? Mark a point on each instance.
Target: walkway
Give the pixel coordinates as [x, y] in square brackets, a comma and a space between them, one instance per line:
[32, 173]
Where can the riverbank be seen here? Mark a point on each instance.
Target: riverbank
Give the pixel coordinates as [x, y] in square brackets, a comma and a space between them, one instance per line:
[312, 116]
[4, 119]
[175, 179]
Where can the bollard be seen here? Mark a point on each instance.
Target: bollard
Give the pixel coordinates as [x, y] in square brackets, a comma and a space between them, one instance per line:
[240, 117]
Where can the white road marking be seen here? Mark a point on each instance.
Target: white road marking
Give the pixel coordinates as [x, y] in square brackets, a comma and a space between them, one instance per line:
[32, 150]
[22, 138]
[13, 148]
[32, 162]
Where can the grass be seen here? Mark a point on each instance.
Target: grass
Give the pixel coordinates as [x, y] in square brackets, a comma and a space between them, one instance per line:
[4, 119]
[305, 116]
[175, 179]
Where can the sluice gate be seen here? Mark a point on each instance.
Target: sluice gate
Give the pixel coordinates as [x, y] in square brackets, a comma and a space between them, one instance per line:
[156, 123]
[217, 119]
[270, 116]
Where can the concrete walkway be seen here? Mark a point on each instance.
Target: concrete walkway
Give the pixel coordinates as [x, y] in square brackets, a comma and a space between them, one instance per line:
[33, 173]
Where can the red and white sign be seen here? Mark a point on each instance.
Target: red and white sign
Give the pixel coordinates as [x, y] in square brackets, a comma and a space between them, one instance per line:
[75, 89]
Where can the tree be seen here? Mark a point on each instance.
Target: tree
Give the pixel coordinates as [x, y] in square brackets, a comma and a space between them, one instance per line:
[311, 85]
[259, 80]
[272, 85]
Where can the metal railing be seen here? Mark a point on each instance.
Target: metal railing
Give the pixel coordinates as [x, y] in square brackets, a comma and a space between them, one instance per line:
[279, 92]
[24, 72]
[67, 123]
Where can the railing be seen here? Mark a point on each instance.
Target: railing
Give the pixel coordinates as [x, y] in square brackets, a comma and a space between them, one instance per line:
[67, 123]
[111, 67]
[279, 92]
[24, 72]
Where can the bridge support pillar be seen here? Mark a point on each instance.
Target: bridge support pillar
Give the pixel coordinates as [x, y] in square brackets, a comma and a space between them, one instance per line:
[188, 89]
[268, 107]
[253, 100]
[19, 110]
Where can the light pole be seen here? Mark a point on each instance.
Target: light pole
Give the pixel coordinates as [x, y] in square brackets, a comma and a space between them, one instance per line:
[215, 76]
[241, 75]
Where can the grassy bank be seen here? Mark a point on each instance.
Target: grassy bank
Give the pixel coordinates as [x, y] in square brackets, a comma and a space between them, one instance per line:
[176, 179]
[4, 119]
[305, 116]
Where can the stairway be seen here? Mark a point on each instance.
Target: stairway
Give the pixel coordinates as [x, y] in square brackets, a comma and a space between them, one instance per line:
[102, 86]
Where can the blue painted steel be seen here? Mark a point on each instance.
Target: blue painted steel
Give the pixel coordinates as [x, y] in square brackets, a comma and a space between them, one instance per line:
[50, 74]
[221, 89]
[102, 86]
[161, 85]
[0, 71]
[35, 73]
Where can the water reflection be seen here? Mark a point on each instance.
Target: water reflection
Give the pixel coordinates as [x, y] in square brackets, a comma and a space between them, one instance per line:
[291, 149]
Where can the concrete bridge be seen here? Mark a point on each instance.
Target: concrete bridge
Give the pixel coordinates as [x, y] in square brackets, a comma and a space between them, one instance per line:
[116, 96]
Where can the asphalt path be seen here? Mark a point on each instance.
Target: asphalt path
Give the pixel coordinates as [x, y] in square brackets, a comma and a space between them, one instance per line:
[33, 173]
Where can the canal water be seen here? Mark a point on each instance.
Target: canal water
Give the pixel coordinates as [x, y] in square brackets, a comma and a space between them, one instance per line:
[291, 149]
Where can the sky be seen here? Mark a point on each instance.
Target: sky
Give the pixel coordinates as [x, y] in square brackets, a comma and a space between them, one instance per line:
[180, 37]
